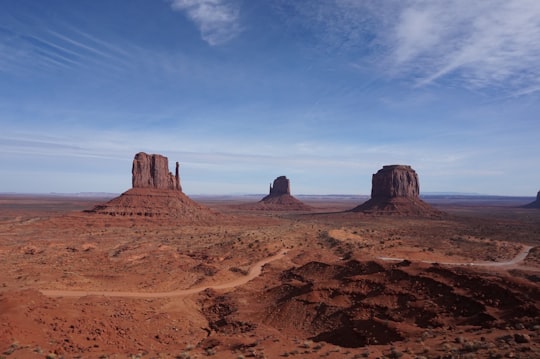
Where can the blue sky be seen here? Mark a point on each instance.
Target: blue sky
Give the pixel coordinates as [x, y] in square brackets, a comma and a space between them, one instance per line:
[242, 91]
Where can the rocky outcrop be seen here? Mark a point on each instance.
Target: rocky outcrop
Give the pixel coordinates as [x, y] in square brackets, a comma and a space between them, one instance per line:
[152, 171]
[395, 181]
[535, 204]
[279, 198]
[280, 187]
[395, 189]
[156, 193]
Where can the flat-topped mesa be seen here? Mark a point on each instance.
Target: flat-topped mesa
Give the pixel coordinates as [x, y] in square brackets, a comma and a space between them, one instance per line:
[152, 171]
[281, 186]
[395, 190]
[395, 181]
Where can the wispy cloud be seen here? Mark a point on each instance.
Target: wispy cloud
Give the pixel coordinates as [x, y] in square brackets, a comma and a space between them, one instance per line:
[217, 20]
[482, 44]
[29, 48]
[472, 44]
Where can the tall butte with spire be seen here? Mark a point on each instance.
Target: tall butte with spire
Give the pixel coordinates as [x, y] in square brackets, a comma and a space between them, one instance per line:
[395, 189]
[155, 192]
[152, 171]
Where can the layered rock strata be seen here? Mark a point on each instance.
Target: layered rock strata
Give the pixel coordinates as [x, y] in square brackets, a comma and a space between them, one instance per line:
[395, 189]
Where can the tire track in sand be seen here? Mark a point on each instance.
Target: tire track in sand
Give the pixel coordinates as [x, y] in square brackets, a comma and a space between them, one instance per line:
[520, 257]
[253, 273]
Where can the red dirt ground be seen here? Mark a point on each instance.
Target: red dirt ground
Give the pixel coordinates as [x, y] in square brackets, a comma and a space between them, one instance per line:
[349, 285]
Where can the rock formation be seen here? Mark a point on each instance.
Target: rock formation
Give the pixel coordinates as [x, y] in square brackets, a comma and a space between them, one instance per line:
[280, 187]
[279, 198]
[395, 190]
[156, 193]
[152, 171]
[535, 204]
[395, 181]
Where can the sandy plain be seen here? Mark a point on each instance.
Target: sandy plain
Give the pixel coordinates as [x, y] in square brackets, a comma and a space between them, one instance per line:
[268, 284]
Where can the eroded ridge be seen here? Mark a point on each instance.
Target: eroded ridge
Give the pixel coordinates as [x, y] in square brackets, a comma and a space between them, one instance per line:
[360, 303]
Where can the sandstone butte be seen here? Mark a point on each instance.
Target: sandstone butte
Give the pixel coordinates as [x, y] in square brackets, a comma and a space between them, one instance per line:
[152, 171]
[155, 192]
[535, 204]
[279, 198]
[395, 190]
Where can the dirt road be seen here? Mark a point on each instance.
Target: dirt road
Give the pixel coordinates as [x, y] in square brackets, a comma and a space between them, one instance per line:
[254, 272]
[520, 257]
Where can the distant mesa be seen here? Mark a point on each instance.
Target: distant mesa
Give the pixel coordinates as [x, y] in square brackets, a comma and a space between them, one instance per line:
[395, 189]
[279, 198]
[156, 192]
[535, 204]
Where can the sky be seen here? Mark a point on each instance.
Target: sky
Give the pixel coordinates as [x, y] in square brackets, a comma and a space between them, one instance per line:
[243, 91]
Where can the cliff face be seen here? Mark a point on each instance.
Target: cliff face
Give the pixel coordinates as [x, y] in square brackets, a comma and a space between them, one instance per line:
[395, 190]
[395, 181]
[152, 171]
[281, 186]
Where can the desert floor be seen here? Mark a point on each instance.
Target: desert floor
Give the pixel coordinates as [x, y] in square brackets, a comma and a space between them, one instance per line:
[259, 284]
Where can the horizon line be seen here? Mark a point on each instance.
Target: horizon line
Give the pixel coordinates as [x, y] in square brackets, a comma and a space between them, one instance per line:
[98, 194]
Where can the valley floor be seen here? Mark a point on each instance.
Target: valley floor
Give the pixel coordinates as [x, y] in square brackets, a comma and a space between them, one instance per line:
[268, 284]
